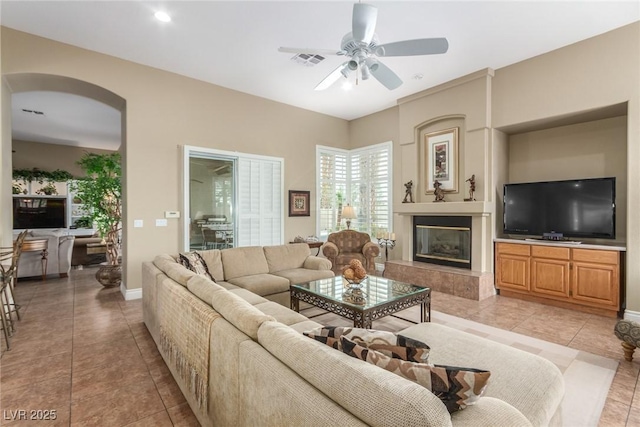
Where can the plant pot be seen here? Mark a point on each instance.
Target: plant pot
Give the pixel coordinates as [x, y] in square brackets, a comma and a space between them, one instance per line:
[109, 275]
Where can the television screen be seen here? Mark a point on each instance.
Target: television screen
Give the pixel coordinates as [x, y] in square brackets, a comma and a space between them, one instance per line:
[39, 212]
[575, 208]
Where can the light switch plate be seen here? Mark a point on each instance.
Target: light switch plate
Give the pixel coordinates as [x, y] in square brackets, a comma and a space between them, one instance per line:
[161, 222]
[138, 223]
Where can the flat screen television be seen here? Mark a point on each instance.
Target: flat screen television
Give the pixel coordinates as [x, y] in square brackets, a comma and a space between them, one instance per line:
[583, 208]
[39, 212]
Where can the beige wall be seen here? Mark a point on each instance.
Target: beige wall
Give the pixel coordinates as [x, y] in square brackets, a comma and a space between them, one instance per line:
[6, 228]
[49, 157]
[164, 111]
[594, 149]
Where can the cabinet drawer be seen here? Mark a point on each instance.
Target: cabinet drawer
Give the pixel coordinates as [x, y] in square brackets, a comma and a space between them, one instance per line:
[594, 255]
[550, 252]
[513, 249]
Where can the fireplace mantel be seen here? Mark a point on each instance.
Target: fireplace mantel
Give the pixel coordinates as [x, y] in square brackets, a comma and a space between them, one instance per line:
[445, 208]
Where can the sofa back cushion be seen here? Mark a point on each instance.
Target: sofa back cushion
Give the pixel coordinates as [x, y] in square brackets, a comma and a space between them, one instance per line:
[349, 241]
[244, 261]
[239, 313]
[286, 257]
[214, 263]
[173, 269]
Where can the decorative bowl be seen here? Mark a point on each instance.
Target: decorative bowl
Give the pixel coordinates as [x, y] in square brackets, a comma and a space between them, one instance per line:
[355, 283]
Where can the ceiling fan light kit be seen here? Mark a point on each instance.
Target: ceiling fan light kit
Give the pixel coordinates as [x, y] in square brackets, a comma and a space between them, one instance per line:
[362, 44]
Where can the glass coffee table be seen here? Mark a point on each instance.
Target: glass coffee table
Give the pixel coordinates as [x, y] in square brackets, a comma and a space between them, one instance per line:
[377, 297]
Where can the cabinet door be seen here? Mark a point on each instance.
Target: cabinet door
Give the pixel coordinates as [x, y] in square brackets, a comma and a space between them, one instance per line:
[550, 277]
[596, 284]
[513, 272]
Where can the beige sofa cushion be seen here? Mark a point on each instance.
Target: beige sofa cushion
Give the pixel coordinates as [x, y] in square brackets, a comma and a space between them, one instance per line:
[204, 288]
[286, 257]
[531, 384]
[213, 259]
[239, 312]
[245, 261]
[302, 275]
[262, 284]
[248, 296]
[173, 269]
[374, 395]
[280, 313]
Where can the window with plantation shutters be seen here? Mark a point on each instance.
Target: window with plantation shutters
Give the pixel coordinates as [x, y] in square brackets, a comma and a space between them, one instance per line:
[360, 177]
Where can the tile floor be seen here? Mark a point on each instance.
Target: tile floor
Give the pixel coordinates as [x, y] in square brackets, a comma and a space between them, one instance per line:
[85, 352]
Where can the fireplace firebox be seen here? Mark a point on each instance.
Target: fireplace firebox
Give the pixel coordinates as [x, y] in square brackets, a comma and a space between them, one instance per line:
[443, 240]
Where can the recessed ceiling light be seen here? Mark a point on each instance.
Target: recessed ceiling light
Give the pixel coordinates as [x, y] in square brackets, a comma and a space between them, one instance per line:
[162, 16]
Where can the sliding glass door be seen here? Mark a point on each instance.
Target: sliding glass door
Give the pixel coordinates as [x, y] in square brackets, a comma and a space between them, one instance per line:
[231, 199]
[211, 202]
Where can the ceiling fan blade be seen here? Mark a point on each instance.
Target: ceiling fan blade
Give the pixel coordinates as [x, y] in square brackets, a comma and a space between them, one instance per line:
[413, 47]
[310, 51]
[363, 23]
[384, 74]
[331, 78]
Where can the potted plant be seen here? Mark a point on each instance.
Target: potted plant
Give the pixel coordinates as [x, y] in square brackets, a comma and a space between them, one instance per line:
[100, 191]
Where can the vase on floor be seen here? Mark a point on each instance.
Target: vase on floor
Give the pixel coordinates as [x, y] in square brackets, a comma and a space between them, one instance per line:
[109, 275]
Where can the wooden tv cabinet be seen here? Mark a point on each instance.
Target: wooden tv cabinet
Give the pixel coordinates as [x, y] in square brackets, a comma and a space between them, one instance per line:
[583, 277]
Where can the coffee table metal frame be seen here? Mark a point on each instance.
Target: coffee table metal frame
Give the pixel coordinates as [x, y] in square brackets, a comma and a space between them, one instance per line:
[364, 315]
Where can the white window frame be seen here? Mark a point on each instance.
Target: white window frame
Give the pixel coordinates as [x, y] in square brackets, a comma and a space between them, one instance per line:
[189, 150]
[348, 153]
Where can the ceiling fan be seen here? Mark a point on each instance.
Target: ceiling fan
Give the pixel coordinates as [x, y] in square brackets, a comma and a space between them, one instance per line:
[361, 45]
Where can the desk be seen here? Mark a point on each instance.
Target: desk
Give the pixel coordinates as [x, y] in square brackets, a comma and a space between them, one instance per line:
[36, 245]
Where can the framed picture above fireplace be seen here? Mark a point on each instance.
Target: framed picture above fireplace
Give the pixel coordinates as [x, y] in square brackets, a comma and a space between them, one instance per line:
[441, 160]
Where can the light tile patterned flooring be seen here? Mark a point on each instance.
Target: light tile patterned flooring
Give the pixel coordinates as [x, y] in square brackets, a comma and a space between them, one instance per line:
[84, 351]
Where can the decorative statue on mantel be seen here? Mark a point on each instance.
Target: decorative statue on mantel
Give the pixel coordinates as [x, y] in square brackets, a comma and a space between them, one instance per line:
[472, 188]
[408, 195]
[438, 191]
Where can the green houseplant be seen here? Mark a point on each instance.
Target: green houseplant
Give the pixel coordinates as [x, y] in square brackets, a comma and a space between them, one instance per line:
[101, 193]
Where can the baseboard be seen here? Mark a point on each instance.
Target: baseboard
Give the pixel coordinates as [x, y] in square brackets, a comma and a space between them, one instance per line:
[632, 315]
[130, 294]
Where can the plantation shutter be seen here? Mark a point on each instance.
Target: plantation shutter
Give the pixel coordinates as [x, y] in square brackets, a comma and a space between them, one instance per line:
[332, 188]
[370, 188]
[260, 216]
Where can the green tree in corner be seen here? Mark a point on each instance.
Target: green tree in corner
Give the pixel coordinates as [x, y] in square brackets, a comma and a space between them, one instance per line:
[101, 193]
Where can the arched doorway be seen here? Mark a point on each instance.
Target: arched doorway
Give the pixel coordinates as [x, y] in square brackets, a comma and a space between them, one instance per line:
[47, 83]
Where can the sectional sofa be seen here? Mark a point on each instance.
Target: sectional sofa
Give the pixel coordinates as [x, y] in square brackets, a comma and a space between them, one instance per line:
[240, 358]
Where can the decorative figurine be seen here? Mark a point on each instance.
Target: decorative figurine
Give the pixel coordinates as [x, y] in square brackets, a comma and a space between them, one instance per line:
[408, 196]
[472, 188]
[438, 192]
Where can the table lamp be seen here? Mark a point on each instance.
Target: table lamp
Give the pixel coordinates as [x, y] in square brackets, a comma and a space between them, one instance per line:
[348, 213]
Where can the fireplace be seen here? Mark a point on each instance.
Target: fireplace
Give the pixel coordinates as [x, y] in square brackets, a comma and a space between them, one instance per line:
[443, 240]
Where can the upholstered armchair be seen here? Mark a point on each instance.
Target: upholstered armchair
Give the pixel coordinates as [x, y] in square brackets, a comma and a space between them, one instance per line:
[345, 245]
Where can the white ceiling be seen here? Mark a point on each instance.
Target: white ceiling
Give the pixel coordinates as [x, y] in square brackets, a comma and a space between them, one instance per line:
[234, 44]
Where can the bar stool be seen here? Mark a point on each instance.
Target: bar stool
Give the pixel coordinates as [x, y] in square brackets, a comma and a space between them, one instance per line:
[9, 273]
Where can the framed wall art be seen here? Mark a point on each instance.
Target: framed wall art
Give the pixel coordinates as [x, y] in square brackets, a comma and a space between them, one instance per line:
[299, 203]
[441, 160]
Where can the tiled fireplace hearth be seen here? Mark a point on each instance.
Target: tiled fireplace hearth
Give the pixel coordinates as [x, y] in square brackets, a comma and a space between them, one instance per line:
[449, 248]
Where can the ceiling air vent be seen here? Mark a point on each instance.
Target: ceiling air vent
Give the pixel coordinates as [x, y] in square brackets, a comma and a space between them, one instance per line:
[308, 60]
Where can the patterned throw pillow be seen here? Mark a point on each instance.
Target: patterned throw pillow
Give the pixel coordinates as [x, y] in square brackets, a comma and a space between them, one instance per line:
[194, 262]
[387, 343]
[456, 387]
